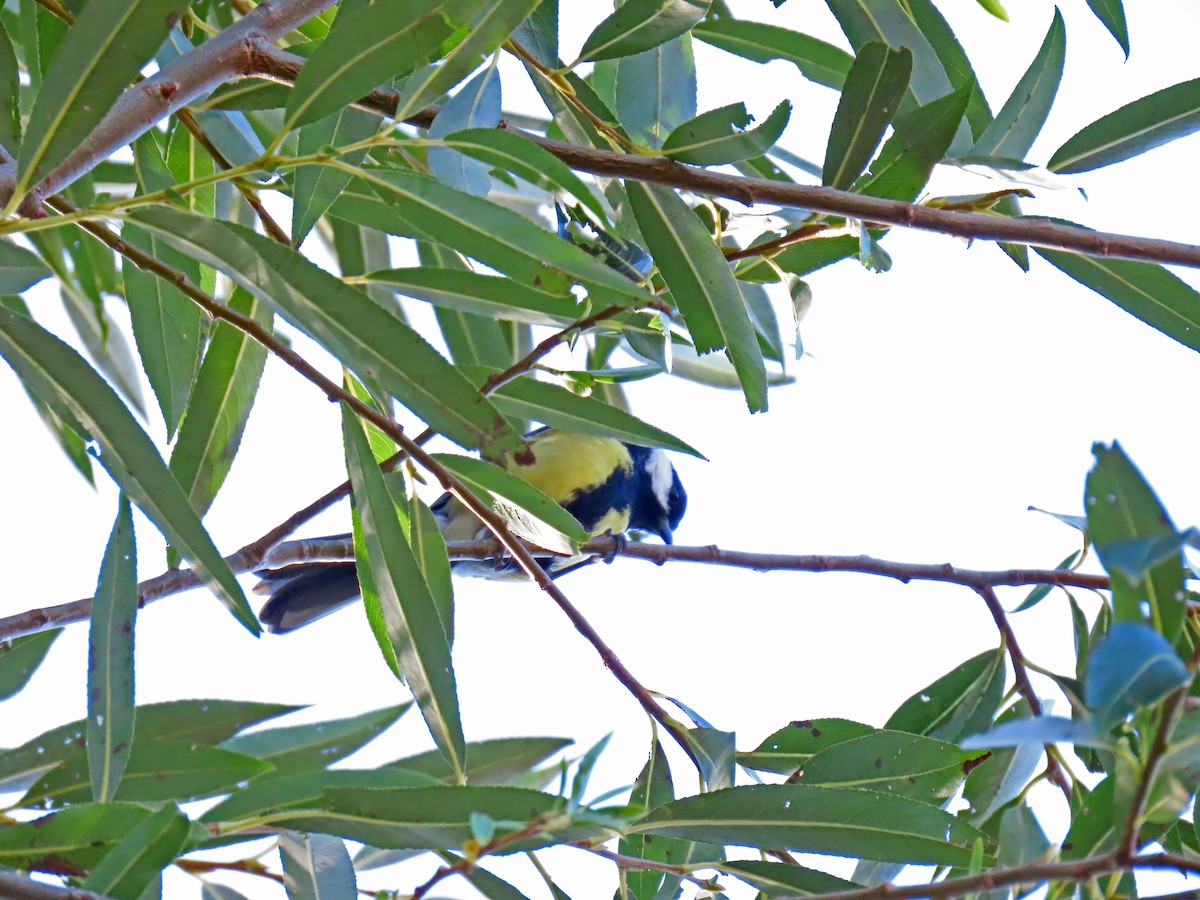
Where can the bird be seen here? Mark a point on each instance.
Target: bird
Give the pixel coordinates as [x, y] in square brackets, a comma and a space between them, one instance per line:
[609, 485]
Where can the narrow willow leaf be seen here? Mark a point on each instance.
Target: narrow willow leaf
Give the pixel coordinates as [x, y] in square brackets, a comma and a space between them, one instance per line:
[962, 702]
[1148, 291]
[1003, 776]
[510, 151]
[1012, 132]
[721, 135]
[316, 187]
[1133, 666]
[920, 141]
[355, 329]
[296, 748]
[82, 834]
[798, 817]
[98, 58]
[10, 93]
[110, 660]
[1121, 506]
[869, 100]
[700, 281]
[785, 879]
[431, 818]
[476, 105]
[498, 237]
[530, 513]
[652, 788]
[954, 61]
[188, 162]
[654, 91]
[1112, 14]
[817, 61]
[219, 405]
[570, 119]
[157, 771]
[472, 338]
[491, 26]
[1037, 731]
[19, 269]
[316, 867]
[494, 762]
[20, 658]
[1135, 128]
[148, 848]
[62, 379]
[480, 295]
[368, 45]
[639, 25]
[414, 627]
[791, 747]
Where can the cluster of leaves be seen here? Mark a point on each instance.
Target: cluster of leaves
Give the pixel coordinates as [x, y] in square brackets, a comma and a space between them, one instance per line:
[658, 281]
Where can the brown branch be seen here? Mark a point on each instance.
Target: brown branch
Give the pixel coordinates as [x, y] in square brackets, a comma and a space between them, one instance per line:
[270, 62]
[467, 863]
[14, 886]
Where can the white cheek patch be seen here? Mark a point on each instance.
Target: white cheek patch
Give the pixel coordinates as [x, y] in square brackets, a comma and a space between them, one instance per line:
[658, 467]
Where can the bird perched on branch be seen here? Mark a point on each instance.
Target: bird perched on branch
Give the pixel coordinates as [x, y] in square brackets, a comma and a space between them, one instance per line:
[608, 485]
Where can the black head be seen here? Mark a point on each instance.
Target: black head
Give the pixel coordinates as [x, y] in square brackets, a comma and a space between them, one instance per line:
[659, 498]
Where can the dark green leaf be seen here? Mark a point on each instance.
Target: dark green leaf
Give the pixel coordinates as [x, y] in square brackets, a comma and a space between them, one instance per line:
[701, 283]
[1133, 666]
[954, 61]
[1121, 507]
[652, 788]
[791, 747]
[19, 269]
[98, 57]
[639, 25]
[1133, 129]
[874, 86]
[148, 848]
[316, 187]
[296, 748]
[817, 61]
[68, 384]
[1042, 591]
[81, 834]
[110, 660]
[20, 658]
[1112, 14]
[818, 820]
[716, 137]
[785, 879]
[414, 627]
[960, 703]
[493, 762]
[10, 93]
[1012, 132]
[316, 867]
[481, 295]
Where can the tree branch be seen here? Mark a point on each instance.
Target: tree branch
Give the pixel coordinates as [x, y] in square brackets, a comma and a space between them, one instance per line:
[270, 62]
[14, 886]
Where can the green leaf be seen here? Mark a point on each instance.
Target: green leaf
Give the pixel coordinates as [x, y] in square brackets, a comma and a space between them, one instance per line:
[817, 61]
[219, 405]
[961, 702]
[954, 61]
[1121, 506]
[70, 386]
[715, 137]
[410, 616]
[1133, 666]
[776, 879]
[920, 141]
[476, 105]
[791, 747]
[499, 238]
[296, 748]
[482, 295]
[529, 513]
[652, 788]
[353, 327]
[639, 25]
[188, 161]
[525, 159]
[700, 281]
[893, 763]
[10, 93]
[158, 770]
[1135, 128]
[368, 45]
[653, 91]
[1148, 291]
[20, 658]
[493, 762]
[19, 269]
[148, 848]
[491, 26]
[527, 398]
[110, 660]
[1003, 776]
[81, 834]
[430, 818]
[1012, 132]
[841, 821]
[316, 187]
[316, 867]
[110, 41]
[1112, 14]
[874, 86]
[1037, 731]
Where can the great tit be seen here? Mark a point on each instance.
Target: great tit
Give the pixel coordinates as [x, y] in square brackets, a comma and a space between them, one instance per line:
[608, 485]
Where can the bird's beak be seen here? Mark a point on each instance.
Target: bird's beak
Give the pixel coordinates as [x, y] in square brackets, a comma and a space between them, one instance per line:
[664, 532]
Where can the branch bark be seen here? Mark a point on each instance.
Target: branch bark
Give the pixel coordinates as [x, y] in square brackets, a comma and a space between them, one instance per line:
[19, 887]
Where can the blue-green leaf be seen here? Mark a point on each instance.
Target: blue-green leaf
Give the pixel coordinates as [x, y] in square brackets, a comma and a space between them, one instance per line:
[1132, 666]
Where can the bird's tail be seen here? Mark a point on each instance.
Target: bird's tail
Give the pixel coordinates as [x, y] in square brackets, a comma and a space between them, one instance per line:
[305, 592]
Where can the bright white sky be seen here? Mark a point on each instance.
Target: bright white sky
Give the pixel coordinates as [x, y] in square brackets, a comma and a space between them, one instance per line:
[938, 401]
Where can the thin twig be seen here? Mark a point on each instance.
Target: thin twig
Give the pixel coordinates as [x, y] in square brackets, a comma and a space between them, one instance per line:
[19, 887]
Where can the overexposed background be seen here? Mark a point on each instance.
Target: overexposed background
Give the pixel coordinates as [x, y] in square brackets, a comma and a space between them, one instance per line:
[935, 404]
